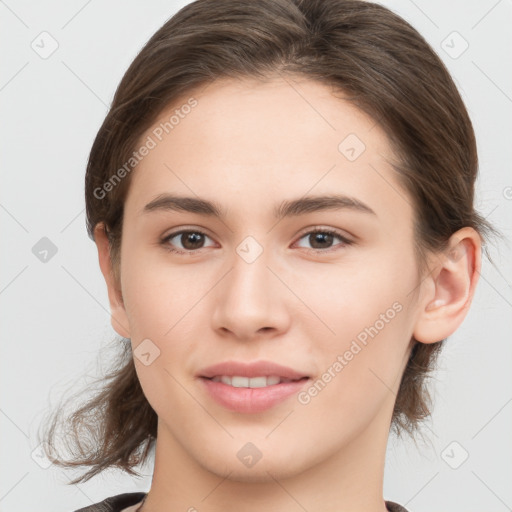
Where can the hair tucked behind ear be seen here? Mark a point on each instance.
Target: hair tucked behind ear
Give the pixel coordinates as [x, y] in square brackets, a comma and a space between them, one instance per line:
[365, 51]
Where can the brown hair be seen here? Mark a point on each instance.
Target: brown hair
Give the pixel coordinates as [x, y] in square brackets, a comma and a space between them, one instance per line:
[379, 62]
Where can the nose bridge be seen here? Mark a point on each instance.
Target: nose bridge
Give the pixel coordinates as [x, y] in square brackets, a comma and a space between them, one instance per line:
[249, 279]
[248, 298]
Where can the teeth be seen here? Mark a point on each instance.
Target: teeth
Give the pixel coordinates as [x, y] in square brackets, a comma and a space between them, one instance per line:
[249, 382]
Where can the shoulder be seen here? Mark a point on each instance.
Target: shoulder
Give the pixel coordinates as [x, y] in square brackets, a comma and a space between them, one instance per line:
[120, 501]
[395, 507]
[115, 503]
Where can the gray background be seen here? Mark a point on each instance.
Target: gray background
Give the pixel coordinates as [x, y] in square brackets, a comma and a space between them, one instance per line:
[55, 313]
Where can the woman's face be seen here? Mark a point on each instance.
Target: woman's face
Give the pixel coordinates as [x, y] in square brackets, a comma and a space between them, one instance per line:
[263, 282]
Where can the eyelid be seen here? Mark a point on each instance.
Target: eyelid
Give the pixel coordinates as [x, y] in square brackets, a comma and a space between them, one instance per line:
[345, 240]
[182, 229]
[185, 229]
[313, 229]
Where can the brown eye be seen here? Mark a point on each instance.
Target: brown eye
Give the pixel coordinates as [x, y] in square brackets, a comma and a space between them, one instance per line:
[190, 240]
[321, 240]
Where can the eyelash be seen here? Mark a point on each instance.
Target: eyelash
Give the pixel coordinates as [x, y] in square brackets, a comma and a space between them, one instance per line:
[345, 241]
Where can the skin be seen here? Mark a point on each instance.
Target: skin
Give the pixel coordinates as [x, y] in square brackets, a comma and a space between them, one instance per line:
[250, 145]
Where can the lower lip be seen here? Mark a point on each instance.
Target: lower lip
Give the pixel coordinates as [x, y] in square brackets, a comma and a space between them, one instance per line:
[251, 400]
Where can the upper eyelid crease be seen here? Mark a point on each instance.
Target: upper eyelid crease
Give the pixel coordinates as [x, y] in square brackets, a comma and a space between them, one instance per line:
[315, 229]
[291, 208]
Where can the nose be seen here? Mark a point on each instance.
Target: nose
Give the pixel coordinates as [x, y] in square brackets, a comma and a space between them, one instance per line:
[250, 301]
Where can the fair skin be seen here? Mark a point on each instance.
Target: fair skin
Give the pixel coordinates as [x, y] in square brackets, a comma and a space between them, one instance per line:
[249, 146]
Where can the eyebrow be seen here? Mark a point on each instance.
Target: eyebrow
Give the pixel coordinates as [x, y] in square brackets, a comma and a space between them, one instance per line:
[288, 208]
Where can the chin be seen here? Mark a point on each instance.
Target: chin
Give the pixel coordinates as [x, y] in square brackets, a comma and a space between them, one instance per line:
[265, 470]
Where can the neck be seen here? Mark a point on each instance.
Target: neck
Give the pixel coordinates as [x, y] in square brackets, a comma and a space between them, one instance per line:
[350, 478]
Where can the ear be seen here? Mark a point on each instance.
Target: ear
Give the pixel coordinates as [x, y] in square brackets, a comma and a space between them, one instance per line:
[119, 319]
[449, 289]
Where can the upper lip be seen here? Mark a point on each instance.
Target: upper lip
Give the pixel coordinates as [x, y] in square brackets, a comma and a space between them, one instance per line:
[254, 369]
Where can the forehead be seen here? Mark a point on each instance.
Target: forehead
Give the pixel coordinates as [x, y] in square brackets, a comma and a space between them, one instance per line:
[251, 140]
[288, 113]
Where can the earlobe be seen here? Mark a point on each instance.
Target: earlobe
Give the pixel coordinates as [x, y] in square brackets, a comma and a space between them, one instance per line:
[119, 318]
[450, 287]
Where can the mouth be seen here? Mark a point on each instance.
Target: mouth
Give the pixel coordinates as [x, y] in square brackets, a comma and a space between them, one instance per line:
[240, 381]
[251, 388]
[236, 373]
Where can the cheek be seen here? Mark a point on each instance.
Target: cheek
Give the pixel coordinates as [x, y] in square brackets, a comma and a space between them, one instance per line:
[159, 305]
[359, 368]
[336, 301]
[350, 296]
[369, 318]
[156, 295]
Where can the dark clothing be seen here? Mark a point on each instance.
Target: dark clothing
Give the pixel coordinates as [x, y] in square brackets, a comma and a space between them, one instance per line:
[121, 501]
[115, 503]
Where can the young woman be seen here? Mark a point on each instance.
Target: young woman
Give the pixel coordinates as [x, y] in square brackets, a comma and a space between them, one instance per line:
[282, 200]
